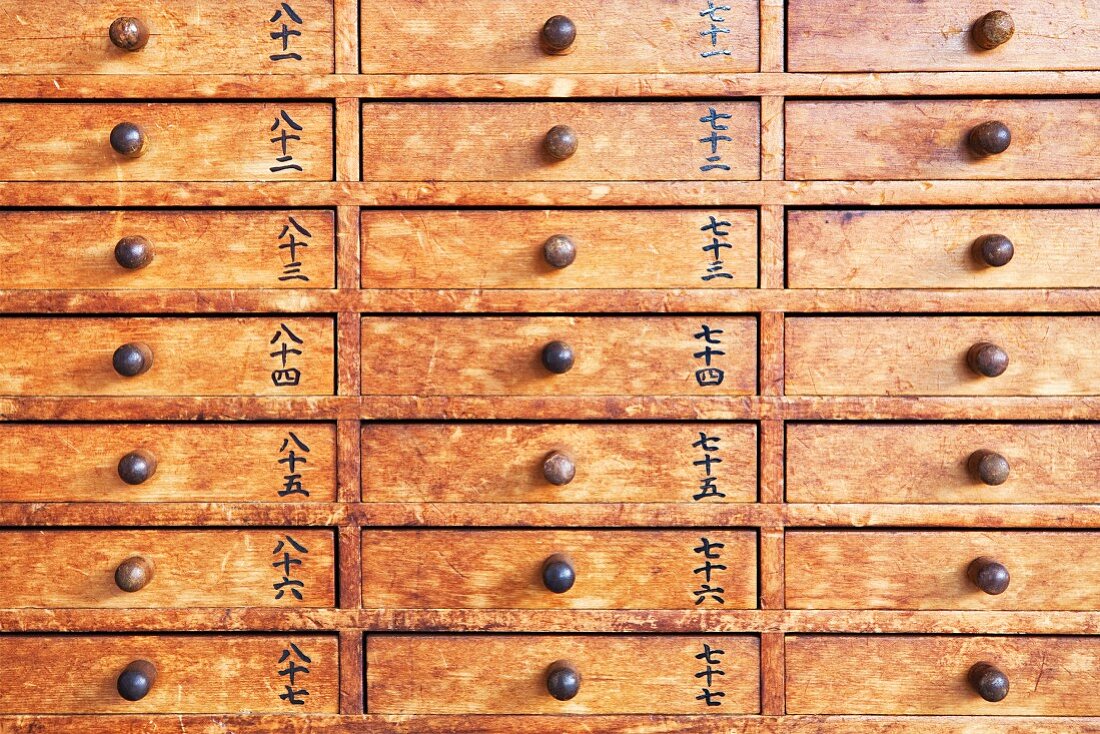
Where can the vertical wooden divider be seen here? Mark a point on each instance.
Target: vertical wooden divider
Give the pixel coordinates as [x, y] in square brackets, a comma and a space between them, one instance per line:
[346, 24]
[773, 46]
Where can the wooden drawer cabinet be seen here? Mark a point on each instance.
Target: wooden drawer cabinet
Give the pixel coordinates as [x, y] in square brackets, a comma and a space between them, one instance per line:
[513, 674]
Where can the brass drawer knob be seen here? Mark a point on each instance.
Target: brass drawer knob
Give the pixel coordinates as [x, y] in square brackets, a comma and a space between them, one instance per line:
[558, 574]
[558, 469]
[563, 680]
[988, 467]
[133, 359]
[129, 34]
[136, 680]
[137, 467]
[988, 575]
[560, 251]
[134, 253]
[990, 138]
[134, 574]
[128, 139]
[988, 682]
[557, 357]
[560, 142]
[993, 29]
[995, 250]
[557, 35]
[987, 359]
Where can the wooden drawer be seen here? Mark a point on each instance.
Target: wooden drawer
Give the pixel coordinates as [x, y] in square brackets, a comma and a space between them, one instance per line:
[929, 139]
[560, 249]
[510, 674]
[494, 36]
[925, 674]
[604, 462]
[183, 141]
[942, 463]
[143, 569]
[167, 249]
[201, 674]
[559, 569]
[181, 37]
[942, 248]
[1011, 570]
[708, 355]
[715, 140]
[940, 35]
[189, 356]
[930, 355]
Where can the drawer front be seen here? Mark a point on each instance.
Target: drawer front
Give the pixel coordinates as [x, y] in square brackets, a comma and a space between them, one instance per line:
[941, 35]
[943, 248]
[709, 355]
[508, 674]
[614, 141]
[213, 141]
[933, 355]
[949, 464]
[559, 569]
[292, 355]
[929, 139]
[195, 674]
[560, 249]
[167, 249]
[155, 569]
[495, 36]
[1010, 570]
[886, 674]
[603, 463]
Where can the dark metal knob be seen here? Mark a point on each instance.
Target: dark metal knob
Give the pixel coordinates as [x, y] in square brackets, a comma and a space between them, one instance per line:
[134, 253]
[993, 29]
[558, 469]
[137, 467]
[560, 142]
[128, 140]
[557, 357]
[136, 680]
[990, 138]
[558, 574]
[988, 575]
[134, 574]
[988, 467]
[133, 359]
[987, 359]
[563, 681]
[129, 34]
[995, 250]
[557, 35]
[559, 251]
[988, 682]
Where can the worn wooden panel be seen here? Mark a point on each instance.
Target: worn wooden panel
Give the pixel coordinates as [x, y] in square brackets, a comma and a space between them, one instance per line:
[60, 674]
[927, 139]
[620, 36]
[503, 141]
[502, 569]
[927, 355]
[185, 141]
[644, 248]
[191, 356]
[885, 674]
[505, 674]
[926, 463]
[613, 355]
[614, 462]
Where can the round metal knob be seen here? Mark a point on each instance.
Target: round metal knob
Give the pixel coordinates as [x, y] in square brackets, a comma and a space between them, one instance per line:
[558, 469]
[987, 359]
[995, 250]
[988, 682]
[988, 467]
[559, 251]
[560, 142]
[557, 35]
[558, 574]
[136, 680]
[990, 138]
[563, 681]
[137, 467]
[133, 359]
[128, 140]
[988, 575]
[134, 253]
[129, 34]
[993, 29]
[134, 574]
[557, 357]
